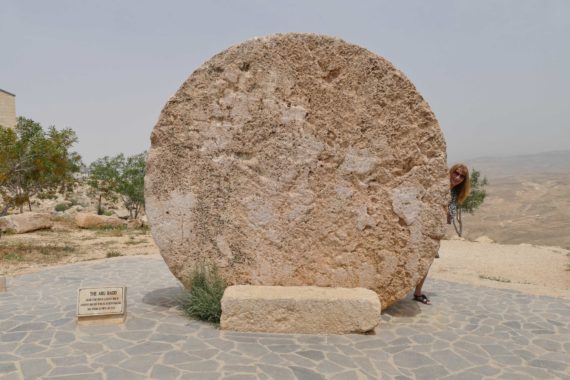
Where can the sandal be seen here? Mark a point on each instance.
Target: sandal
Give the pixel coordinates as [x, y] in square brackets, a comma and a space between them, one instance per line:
[423, 299]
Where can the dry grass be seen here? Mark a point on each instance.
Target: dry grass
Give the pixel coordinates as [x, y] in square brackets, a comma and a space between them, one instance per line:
[65, 222]
[36, 252]
[63, 244]
[133, 241]
[494, 278]
[111, 231]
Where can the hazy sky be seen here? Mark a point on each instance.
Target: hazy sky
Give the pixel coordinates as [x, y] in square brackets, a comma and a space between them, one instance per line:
[496, 73]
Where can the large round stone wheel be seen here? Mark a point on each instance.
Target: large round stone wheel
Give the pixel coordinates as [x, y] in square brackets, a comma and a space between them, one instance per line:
[299, 159]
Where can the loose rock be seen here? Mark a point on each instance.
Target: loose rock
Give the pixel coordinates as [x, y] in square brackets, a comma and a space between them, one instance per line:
[87, 220]
[26, 222]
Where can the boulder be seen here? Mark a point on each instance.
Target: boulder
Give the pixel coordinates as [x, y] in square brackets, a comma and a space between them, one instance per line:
[122, 213]
[299, 159]
[26, 222]
[87, 220]
[299, 309]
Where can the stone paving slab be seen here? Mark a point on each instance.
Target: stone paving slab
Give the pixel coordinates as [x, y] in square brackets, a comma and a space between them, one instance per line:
[468, 333]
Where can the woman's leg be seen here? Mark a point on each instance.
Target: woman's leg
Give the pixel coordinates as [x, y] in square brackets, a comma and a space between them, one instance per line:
[418, 296]
[419, 286]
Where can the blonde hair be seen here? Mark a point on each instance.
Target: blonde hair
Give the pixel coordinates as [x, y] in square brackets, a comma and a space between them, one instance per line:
[464, 188]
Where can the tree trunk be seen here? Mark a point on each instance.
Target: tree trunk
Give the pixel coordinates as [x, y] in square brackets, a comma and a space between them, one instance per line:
[5, 209]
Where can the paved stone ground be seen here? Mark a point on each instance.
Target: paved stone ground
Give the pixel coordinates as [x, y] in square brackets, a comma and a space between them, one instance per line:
[468, 333]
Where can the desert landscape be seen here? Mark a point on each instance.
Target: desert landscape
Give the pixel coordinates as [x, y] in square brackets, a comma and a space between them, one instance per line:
[527, 200]
[519, 239]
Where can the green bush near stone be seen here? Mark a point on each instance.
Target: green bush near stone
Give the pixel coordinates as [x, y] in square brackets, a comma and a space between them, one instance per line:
[204, 299]
[62, 206]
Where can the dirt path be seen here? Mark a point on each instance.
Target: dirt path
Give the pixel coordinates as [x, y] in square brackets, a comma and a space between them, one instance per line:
[527, 268]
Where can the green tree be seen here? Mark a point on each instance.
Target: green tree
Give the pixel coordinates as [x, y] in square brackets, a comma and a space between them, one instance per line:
[34, 162]
[131, 183]
[103, 179]
[117, 177]
[473, 201]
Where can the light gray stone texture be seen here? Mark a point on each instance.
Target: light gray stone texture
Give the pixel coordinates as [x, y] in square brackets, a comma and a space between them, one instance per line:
[411, 341]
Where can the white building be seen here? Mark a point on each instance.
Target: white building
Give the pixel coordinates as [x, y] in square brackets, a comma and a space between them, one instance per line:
[7, 109]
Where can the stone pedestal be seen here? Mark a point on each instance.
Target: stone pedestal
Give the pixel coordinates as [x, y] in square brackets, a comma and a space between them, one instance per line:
[299, 309]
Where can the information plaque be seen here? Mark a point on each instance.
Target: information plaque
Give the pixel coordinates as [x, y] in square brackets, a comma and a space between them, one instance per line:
[104, 304]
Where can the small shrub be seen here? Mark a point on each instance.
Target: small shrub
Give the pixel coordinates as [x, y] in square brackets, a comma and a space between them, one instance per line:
[68, 248]
[13, 257]
[62, 206]
[113, 254]
[204, 300]
[132, 241]
[51, 249]
[145, 228]
[108, 227]
[110, 230]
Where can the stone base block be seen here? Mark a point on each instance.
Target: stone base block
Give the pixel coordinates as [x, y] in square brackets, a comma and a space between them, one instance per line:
[299, 309]
[102, 320]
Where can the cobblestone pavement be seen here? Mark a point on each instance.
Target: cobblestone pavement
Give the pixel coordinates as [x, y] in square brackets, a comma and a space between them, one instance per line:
[468, 333]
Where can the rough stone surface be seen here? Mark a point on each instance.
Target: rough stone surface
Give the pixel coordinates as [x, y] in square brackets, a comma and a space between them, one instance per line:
[299, 309]
[26, 222]
[88, 220]
[299, 159]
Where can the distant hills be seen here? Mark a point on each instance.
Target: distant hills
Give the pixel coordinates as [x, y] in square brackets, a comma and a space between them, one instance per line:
[528, 200]
[544, 163]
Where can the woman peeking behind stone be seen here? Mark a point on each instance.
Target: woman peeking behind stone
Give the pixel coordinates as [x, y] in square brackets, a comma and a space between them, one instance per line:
[459, 187]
